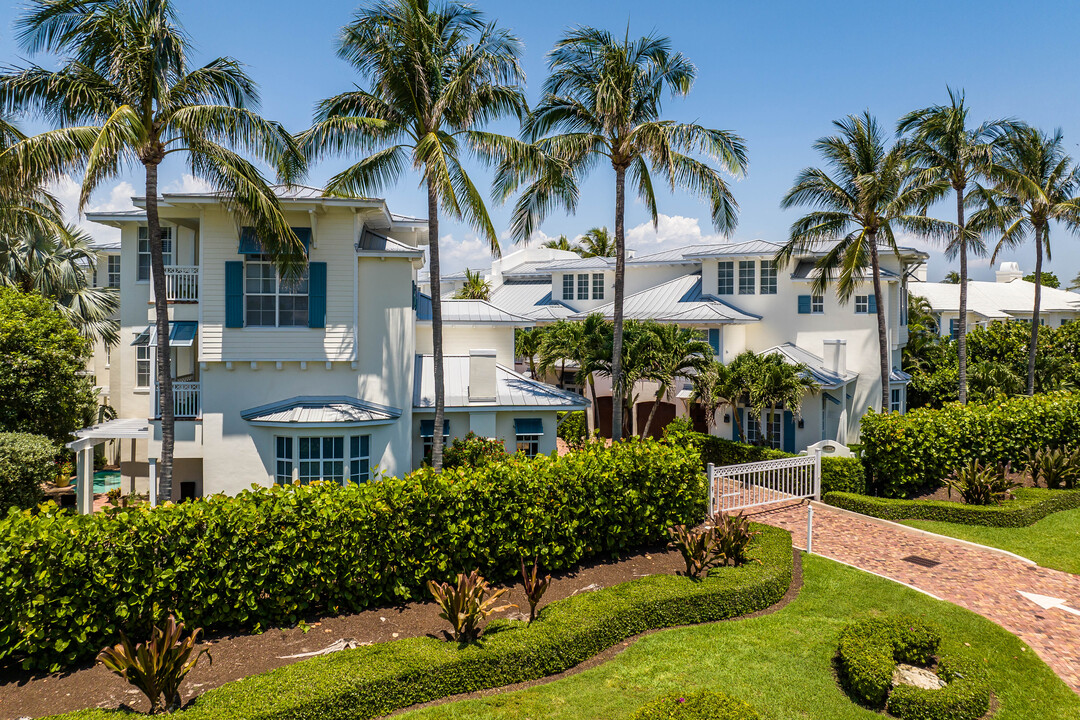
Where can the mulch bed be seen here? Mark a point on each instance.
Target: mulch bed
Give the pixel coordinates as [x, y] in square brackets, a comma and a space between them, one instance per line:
[26, 694]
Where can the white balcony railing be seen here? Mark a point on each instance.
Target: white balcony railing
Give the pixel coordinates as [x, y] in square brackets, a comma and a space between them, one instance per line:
[181, 283]
[187, 400]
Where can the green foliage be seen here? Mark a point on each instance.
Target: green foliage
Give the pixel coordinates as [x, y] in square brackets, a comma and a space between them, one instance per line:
[842, 474]
[1054, 468]
[966, 697]
[40, 377]
[573, 427]
[534, 586]
[158, 666]
[26, 463]
[1049, 279]
[981, 484]
[716, 450]
[1030, 506]
[698, 548]
[375, 680]
[905, 453]
[466, 604]
[733, 536]
[72, 581]
[473, 451]
[701, 705]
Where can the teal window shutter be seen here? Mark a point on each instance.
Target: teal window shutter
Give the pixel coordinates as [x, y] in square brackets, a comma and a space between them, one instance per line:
[736, 425]
[804, 304]
[872, 306]
[714, 340]
[316, 295]
[789, 431]
[234, 294]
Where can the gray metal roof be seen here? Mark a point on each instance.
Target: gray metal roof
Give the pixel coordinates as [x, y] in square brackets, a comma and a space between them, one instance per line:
[751, 247]
[530, 299]
[680, 300]
[512, 390]
[321, 409]
[899, 376]
[372, 243]
[469, 312]
[807, 270]
[823, 375]
[589, 263]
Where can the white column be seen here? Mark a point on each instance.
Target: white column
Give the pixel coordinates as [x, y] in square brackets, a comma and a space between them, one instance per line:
[84, 470]
[153, 482]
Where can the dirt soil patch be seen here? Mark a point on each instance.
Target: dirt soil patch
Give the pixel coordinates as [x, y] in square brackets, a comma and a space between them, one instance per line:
[26, 694]
[942, 493]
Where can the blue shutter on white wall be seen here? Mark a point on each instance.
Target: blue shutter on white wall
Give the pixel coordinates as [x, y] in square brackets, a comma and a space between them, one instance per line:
[804, 304]
[714, 340]
[789, 431]
[872, 306]
[316, 295]
[234, 294]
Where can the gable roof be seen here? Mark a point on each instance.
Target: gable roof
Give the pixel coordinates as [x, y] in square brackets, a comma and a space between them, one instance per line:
[321, 409]
[469, 312]
[996, 300]
[823, 375]
[530, 299]
[680, 300]
[512, 389]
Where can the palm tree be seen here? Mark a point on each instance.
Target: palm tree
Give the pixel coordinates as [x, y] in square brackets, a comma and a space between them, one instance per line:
[560, 243]
[951, 278]
[475, 287]
[952, 155]
[602, 101]
[1035, 184]
[125, 94]
[26, 208]
[857, 208]
[775, 384]
[597, 242]
[527, 343]
[714, 387]
[679, 354]
[436, 73]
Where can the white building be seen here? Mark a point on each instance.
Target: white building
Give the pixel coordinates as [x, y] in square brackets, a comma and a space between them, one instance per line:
[330, 378]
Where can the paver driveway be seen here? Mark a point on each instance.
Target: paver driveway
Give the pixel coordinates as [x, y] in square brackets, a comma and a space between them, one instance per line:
[983, 581]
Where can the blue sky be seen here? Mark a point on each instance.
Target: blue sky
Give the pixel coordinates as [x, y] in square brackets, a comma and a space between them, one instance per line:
[777, 73]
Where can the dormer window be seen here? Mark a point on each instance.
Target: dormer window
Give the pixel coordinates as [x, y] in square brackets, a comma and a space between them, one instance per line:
[568, 286]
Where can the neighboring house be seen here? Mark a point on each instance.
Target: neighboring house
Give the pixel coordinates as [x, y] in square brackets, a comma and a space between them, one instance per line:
[106, 274]
[1008, 298]
[739, 300]
[326, 378]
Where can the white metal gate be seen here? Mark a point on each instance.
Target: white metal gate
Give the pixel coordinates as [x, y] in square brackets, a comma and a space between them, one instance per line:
[736, 487]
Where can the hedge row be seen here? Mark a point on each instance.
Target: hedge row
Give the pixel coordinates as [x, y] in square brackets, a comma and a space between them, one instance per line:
[842, 474]
[1030, 506]
[273, 556]
[904, 453]
[27, 462]
[701, 705]
[377, 679]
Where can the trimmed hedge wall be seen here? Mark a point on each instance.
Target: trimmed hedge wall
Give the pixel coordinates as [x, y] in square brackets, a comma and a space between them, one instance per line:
[273, 556]
[717, 450]
[842, 474]
[702, 705]
[903, 453]
[1030, 506]
[27, 462]
[377, 679]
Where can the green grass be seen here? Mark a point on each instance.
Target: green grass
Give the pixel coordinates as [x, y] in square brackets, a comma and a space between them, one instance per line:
[780, 663]
[1053, 542]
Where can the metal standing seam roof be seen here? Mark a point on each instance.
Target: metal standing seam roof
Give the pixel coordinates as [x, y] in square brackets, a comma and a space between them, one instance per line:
[469, 312]
[899, 376]
[512, 389]
[807, 270]
[678, 300]
[823, 375]
[996, 300]
[589, 263]
[321, 409]
[372, 243]
[751, 247]
[530, 299]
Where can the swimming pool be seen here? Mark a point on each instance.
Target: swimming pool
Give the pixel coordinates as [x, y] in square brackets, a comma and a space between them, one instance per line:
[104, 481]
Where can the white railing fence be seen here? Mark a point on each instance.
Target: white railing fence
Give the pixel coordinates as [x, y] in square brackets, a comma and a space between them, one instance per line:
[187, 401]
[737, 487]
[181, 283]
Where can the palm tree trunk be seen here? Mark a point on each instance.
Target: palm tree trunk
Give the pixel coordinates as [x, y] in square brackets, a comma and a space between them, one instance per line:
[961, 347]
[436, 326]
[161, 317]
[1033, 348]
[617, 389]
[594, 412]
[661, 391]
[738, 423]
[883, 337]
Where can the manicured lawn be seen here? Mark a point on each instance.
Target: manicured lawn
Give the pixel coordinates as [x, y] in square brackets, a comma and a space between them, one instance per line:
[781, 663]
[1053, 542]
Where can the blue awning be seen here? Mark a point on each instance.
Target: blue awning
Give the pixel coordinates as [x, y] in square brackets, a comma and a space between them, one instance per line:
[427, 428]
[250, 245]
[181, 334]
[528, 426]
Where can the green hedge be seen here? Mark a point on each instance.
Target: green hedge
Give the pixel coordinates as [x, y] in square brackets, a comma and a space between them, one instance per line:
[26, 462]
[377, 679]
[842, 474]
[273, 556]
[702, 705]
[573, 427]
[1030, 506]
[904, 453]
[717, 450]
[966, 697]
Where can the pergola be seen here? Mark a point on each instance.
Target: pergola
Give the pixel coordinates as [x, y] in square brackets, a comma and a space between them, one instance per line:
[83, 446]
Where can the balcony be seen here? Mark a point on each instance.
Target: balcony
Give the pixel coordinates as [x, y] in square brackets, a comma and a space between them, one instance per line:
[181, 284]
[187, 400]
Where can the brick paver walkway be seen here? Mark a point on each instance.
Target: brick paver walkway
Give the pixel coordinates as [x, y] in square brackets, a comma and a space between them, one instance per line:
[979, 580]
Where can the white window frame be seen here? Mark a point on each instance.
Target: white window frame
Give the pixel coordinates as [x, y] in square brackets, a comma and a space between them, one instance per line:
[284, 460]
[725, 274]
[598, 286]
[428, 442]
[281, 291]
[112, 271]
[328, 462]
[166, 250]
[753, 428]
[583, 286]
[747, 277]
[896, 399]
[528, 444]
[143, 366]
[355, 460]
[359, 458]
[817, 304]
[768, 277]
[568, 286]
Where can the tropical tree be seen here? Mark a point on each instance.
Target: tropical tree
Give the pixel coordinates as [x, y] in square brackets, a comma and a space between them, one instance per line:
[678, 354]
[1075, 284]
[436, 73]
[475, 287]
[602, 102]
[950, 154]
[774, 384]
[597, 242]
[717, 386]
[26, 208]
[1035, 184]
[527, 343]
[1048, 279]
[125, 95]
[560, 243]
[857, 207]
[951, 278]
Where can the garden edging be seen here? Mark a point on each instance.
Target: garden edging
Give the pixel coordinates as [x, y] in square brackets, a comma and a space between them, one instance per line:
[1030, 506]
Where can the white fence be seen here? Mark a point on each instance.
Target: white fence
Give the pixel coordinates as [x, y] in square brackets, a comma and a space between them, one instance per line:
[737, 487]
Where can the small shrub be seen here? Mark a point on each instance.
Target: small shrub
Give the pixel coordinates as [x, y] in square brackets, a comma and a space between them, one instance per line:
[701, 705]
[981, 484]
[965, 697]
[842, 474]
[698, 547]
[717, 450]
[1055, 468]
[157, 667]
[573, 427]
[732, 536]
[473, 451]
[466, 604]
[535, 586]
[26, 464]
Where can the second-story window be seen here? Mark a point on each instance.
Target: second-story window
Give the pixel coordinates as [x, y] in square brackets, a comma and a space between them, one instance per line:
[568, 286]
[144, 250]
[112, 274]
[768, 277]
[270, 301]
[865, 304]
[726, 278]
[746, 277]
[598, 286]
[583, 286]
[142, 366]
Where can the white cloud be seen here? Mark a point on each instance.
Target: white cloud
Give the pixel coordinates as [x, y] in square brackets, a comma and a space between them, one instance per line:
[671, 231]
[188, 183]
[470, 252]
[118, 197]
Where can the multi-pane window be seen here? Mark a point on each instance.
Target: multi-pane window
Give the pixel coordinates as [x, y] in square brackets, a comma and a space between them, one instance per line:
[746, 277]
[427, 436]
[768, 277]
[142, 366]
[865, 304]
[112, 271]
[360, 458]
[269, 300]
[896, 400]
[583, 286]
[283, 460]
[817, 304]
[528, 444]
[322, 458]
[144, 249]
[568, 286]
[754, 432]
[598, 286]
[726, 278]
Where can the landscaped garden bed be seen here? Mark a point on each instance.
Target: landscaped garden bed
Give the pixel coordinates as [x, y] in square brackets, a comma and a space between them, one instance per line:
[1027, 507]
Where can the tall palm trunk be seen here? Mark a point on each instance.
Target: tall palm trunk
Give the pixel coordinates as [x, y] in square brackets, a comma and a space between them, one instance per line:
[661, 391]
[1033, 348]
[436, 326]
[594, 412]
[617, 389]
[161, 315]
[961, 348]
[883, 337]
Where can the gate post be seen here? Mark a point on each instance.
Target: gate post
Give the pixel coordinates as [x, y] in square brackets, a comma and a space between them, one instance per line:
[709, 482]
[817, 474]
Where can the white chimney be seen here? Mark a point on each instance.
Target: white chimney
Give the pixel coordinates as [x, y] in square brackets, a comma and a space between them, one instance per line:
[1008, 272]
[481, 376]
[836, 356]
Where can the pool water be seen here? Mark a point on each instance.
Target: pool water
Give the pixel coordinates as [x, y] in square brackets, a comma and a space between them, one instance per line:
[104, 481]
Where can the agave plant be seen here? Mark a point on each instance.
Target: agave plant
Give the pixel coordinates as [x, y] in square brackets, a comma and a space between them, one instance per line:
[981, 484]
[1056, 468]
[466, 604]
[535, 586]
[157, 667]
